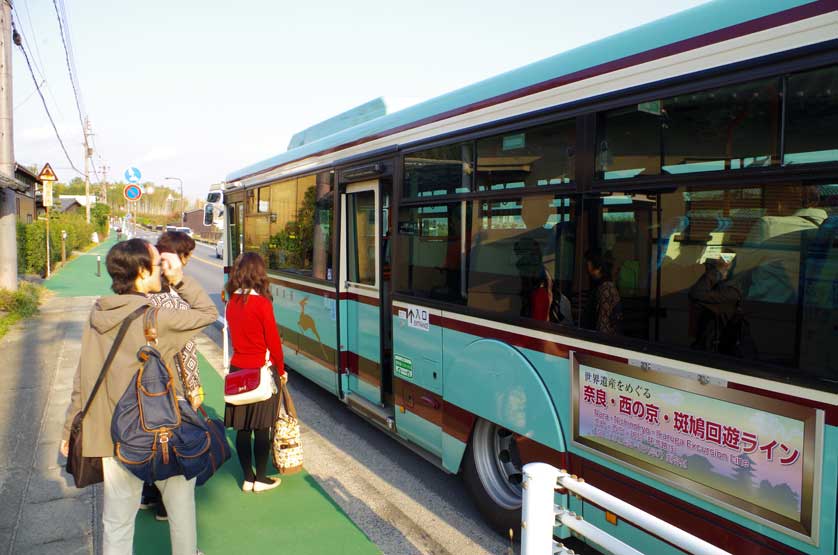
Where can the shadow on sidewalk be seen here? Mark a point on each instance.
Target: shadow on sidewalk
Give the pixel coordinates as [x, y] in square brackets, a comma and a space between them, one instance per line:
[49, 514]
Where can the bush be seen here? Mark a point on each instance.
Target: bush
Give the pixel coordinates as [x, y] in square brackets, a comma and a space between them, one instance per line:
[18, 304]
[24, 301]
[32, 249]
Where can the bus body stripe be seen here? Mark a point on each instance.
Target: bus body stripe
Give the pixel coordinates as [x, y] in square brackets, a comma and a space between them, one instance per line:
[365, 369]
[314, 290]
[457, 422]
[372, 301]
[410, 396]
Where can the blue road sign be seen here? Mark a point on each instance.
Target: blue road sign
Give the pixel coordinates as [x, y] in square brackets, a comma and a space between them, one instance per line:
[132, 192]
[132, 175]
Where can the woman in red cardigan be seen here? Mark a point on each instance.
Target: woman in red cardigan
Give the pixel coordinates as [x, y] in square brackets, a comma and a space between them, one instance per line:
[254, 336]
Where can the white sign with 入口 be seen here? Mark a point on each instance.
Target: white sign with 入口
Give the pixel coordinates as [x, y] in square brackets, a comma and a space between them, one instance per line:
[416, 317]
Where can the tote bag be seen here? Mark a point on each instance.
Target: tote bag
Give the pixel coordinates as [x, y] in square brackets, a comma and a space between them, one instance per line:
[287, 448]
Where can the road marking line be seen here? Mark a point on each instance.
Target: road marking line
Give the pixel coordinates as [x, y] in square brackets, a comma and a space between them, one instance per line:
[207, 262]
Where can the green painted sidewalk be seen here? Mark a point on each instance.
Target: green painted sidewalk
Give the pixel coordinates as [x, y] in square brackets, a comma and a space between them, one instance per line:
[297, 518]
[77, 278]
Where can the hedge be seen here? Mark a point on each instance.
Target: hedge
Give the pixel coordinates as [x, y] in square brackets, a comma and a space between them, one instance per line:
[32, 249]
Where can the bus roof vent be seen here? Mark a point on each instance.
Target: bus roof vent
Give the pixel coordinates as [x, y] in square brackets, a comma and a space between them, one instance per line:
[356, 116]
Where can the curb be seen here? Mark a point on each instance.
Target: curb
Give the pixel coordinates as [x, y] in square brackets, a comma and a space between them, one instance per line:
[211, 351]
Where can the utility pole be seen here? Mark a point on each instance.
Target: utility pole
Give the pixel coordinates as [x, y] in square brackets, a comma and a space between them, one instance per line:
[88, 152]
[104, 187]
[8, 223]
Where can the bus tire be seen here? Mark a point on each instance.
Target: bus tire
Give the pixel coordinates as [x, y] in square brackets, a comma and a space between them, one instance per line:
[491, 472]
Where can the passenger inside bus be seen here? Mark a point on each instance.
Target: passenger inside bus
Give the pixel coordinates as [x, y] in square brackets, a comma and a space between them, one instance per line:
[521, 257]
[716, 319]
[541, 296]
[603, 310]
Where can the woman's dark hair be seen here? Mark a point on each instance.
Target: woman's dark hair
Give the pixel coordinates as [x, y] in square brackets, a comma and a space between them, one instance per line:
[603, 262]
[176, 242]
[248, 272]
[124, 262]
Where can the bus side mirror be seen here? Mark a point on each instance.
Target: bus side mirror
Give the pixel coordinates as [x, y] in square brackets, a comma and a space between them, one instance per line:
[208, 215]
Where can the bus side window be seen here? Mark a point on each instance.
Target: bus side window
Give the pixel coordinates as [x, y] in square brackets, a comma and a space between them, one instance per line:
[521, 257]
[430, 252]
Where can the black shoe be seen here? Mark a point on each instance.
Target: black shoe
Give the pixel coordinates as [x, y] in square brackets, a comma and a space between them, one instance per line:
[151, 496]
[161, 512]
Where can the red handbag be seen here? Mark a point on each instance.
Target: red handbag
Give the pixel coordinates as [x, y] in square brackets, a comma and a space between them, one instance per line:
[249, 385]
[242, 381]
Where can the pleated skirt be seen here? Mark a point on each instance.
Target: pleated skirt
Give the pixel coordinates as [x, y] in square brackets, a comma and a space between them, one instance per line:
[254, 416]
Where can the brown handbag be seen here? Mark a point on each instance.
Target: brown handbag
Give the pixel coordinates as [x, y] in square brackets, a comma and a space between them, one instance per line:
[287, 447]
[88, 470]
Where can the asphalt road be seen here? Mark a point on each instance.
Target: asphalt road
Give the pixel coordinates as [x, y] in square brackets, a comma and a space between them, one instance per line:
[403, 503]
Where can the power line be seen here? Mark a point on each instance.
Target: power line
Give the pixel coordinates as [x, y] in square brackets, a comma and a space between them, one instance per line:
[34, 40]
[28, 96]
[37, 61]
[19, 42]
[67, 57]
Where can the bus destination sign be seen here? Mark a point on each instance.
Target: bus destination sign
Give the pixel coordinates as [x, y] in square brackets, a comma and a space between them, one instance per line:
[750, 452]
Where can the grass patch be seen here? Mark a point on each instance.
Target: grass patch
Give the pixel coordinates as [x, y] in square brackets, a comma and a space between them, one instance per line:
[16, 305]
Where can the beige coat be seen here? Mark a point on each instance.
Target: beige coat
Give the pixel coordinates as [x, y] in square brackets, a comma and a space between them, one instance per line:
[174, 328]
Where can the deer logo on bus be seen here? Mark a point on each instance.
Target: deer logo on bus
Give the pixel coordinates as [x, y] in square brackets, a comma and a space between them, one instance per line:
[305, 323]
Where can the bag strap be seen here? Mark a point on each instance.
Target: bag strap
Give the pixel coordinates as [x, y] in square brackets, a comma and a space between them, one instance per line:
[123, 329]
[150, 325]
[285, 399]
[225, 339]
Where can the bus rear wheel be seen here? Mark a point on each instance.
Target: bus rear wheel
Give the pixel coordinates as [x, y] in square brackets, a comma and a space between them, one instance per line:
[492, 472]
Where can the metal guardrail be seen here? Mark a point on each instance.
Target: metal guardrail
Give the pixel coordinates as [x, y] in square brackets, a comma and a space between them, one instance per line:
[541, 515]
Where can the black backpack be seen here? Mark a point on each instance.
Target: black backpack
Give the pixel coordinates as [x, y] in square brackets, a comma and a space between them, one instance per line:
[155, 434]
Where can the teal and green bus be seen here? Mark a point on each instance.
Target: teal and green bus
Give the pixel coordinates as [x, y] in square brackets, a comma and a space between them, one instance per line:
[621, 260]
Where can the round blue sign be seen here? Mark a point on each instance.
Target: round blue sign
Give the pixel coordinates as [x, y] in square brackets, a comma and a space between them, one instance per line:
[132, 192]
[133, 175]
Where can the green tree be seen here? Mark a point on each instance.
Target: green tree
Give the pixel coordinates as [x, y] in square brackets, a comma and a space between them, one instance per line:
[99, 213]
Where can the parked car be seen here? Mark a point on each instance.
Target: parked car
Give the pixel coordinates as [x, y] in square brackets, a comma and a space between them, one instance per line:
[159, 228]
[186, 230]
[171, 228]
[219, 249]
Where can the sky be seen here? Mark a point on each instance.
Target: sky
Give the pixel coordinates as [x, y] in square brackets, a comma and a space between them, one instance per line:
[198, 89]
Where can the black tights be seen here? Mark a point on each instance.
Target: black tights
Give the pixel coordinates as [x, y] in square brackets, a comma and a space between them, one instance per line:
[261, 449]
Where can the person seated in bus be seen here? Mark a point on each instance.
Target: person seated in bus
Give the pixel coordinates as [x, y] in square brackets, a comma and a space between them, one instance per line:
[603, 309]
[718, 323]
[540, 299]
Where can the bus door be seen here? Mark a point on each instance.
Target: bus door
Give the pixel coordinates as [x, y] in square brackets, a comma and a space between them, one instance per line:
[363, 294]
[235, 232]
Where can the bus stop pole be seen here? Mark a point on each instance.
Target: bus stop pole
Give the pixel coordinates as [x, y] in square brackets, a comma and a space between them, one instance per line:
[46, 208]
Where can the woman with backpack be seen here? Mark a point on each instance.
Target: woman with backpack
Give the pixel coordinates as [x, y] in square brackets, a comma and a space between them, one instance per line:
[255, 341]
[135, 268]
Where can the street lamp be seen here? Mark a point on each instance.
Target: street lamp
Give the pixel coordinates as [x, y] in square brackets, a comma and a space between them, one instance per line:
[181, 196]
